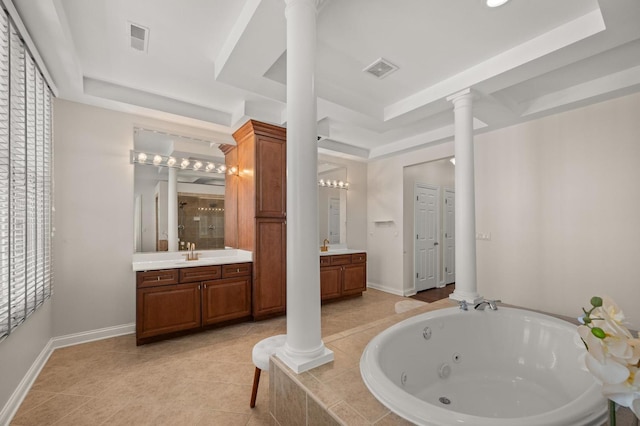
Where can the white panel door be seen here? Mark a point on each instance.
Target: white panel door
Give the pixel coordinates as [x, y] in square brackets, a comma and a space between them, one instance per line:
[449, 251]
[426, 237]
[334, 220]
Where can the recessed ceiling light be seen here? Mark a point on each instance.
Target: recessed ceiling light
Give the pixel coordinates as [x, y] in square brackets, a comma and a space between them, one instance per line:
[496, 3]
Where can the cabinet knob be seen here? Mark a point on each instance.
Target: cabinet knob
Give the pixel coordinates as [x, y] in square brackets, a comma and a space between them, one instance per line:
[158, 277]
[238, 270]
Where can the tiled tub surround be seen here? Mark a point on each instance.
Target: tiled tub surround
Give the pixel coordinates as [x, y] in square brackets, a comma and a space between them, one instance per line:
[334, 394]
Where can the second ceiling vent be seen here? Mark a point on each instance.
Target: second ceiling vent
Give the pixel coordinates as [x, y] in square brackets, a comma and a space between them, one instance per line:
[380, 68]
[139, 37]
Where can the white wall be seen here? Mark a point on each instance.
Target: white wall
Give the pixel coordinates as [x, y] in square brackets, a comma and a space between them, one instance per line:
[94, 281]
[385, 242]
[439, 173]
[559, 196]
[19, 351]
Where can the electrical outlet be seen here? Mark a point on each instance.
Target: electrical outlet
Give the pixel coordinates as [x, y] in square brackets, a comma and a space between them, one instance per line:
[483, 237]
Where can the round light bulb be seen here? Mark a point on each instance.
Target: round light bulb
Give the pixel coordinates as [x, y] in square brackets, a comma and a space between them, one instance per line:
[171, 162]
[496, 3]
[222, 168]
[210, 166]
[142, 157]
[157, 159]
[197, 165]
[185, 163]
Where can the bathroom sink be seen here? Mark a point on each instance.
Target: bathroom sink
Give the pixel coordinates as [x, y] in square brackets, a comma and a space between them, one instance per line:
[339, 251]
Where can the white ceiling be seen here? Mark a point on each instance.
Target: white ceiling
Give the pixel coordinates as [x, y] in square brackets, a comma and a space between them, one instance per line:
[215, 63]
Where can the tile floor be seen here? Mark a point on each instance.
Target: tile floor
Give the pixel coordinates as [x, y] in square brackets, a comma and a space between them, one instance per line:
[201, 379]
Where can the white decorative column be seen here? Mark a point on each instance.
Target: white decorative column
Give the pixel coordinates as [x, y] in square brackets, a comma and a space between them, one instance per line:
[465, 209]
[304, 348]
[172, 209]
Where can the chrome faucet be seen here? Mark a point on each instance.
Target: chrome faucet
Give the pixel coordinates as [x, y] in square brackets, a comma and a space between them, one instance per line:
[463, 305]
[492, 304]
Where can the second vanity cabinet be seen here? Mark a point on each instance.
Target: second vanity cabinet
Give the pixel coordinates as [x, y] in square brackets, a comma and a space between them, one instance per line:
[342, 275]
[169, 301]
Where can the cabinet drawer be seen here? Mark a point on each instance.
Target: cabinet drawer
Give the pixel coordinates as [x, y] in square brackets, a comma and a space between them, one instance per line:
[201, 273]
[236, 270]
[156, 278]
[359, 257]
[325, 260]
[343, 259]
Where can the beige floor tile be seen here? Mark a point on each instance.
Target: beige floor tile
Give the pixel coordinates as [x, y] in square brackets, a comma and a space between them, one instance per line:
[202, 379]
[32, 400]
[51, 410]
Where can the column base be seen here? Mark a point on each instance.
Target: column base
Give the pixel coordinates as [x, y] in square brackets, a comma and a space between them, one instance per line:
[471, 299]
[301, 364]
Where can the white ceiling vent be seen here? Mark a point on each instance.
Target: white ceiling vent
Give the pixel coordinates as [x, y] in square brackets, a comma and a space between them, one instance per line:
[380, 68]
[139, 37]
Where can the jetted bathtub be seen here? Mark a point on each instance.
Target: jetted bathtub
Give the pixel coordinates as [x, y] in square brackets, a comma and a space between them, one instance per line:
[483, 368]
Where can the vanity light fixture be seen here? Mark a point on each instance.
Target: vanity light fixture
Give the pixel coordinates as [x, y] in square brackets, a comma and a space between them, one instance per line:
[333, 184]
[159, 160]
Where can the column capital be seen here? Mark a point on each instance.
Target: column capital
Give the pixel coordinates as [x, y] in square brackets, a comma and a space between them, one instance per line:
[463, 94]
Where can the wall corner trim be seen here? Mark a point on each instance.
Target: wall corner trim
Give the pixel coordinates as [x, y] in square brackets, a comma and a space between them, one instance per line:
[12, 405]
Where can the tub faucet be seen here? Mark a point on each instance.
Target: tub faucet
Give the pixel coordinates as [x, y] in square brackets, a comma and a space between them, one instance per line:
[463, 305]
[492, 304]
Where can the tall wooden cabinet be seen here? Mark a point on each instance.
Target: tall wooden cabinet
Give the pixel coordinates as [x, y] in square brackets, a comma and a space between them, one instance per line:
[259, 188]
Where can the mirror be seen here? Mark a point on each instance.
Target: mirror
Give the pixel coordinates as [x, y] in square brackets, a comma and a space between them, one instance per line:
[200, 204]
[332, 204]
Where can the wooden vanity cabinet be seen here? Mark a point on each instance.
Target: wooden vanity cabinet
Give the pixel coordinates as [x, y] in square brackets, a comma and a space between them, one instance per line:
[173, 301]
[342, 276]
[167, 309]
[226, 299]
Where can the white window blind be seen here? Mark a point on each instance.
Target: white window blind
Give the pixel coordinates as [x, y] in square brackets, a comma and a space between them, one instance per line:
[25, 182]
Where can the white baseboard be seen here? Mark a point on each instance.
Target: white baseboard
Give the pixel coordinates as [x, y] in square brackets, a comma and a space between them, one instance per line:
[16, 398]
[92, 335]
[12, 405]
[385, 289]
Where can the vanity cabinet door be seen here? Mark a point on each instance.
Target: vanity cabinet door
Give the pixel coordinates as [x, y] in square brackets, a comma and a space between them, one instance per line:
[330, 282]
[271, 188]
[270, 268]
[226, 299]
[167, 309]
[354, 278]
